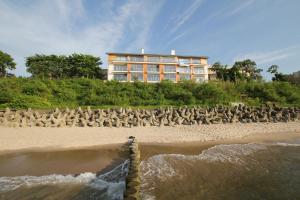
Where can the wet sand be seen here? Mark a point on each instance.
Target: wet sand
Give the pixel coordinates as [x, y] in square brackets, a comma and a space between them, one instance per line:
[16, 139]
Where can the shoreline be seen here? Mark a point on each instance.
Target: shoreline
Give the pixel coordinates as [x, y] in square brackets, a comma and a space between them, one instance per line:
[51, 139]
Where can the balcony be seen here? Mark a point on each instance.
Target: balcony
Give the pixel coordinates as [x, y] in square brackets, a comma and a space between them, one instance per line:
[170, 69]
[121, 58]
[171, 77]
[136, 58]
[120, 68]
[136, 68]
[185, 77]
[168, 60]
[137, 77]
[196, 61]
[153, 78]
[152, 68]
[120, 77]
[184, 70]
[198, 70]
[153, 59]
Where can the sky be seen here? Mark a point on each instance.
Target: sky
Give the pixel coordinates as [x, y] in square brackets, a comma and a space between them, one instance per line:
[267, 31]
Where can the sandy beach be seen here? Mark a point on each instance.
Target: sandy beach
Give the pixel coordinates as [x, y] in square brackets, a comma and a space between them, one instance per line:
[12, 139]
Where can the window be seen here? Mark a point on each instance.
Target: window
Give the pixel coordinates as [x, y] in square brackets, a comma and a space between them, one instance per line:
[171, 77]
[120, 68]
[137, 77]
[184, 70]
[168, 59]
[183, 61]
[170, 68]
[137, 58]
[198, 70]
[153, 77]
[185, 77]
[195, 61]
[136, 67]
[199, 78]
[153, 59]
[120, 77]
[121, 58]
[153, 68]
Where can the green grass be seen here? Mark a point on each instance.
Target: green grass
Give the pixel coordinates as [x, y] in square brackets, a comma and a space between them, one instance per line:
[22, 93]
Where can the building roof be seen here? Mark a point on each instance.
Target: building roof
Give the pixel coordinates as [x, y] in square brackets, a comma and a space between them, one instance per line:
[150, 54]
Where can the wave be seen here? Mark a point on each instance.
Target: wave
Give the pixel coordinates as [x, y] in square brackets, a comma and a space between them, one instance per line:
[162, 164]
[286, 144]
[113, 182]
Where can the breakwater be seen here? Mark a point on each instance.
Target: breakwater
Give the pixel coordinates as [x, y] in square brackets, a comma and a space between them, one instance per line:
[133, 181]
[127, 117]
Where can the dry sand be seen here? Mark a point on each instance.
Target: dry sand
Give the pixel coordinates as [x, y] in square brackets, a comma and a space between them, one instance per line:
[12, 139]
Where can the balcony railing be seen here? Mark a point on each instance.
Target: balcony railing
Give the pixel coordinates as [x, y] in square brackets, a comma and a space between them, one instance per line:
[198, 70]
[136, 68]
[153, 69]
[186, 70]
[120, 68]
[195, 61]
[170, 69]
[136, 59]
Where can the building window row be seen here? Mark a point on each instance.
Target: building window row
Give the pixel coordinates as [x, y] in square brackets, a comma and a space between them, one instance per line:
[181, 61]
[184, 70]
[136, 67]
[153, 77]
[185, 77]
[156, 77]
[148, 59]
[171, 77]
[137, 77]
[198, 70]
[120, 77]
[155, 68]
[120, 68]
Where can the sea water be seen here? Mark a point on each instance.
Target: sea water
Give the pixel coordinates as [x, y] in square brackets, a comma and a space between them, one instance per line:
[223, 171]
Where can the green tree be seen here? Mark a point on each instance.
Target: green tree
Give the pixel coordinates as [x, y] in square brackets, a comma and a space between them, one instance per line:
[80, 65]
[61, 66]
[248, 69]
[47, 66]
[273, 69]
[6, 63]
[221, 71]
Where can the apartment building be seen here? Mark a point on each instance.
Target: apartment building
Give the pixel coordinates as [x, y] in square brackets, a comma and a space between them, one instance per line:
[156, 67]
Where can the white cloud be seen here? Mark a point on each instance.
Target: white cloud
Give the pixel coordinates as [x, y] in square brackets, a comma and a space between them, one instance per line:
[186, 15]
[271, 56]
[240, 7]
[51, 26]
[229, 11]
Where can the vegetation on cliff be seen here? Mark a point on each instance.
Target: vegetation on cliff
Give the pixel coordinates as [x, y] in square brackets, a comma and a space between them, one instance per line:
[39, 93]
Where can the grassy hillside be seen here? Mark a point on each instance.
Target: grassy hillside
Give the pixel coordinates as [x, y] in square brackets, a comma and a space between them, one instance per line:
[44, 94]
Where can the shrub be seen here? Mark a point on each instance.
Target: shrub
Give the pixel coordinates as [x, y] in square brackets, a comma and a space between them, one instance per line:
[36, 93]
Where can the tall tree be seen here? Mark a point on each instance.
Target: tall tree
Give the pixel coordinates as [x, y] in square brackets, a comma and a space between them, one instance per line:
[277, 76]
[54, 66]
[221, 71]
[248, 69]
[80, 65]
[6, 63]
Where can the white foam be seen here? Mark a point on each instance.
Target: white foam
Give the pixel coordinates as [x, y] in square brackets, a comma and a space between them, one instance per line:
[161, 165]
[112, 181]
[287, 144]
[12, 183]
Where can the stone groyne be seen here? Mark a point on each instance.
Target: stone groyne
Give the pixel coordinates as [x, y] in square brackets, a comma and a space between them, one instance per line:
[133, 181]
[127, 117]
